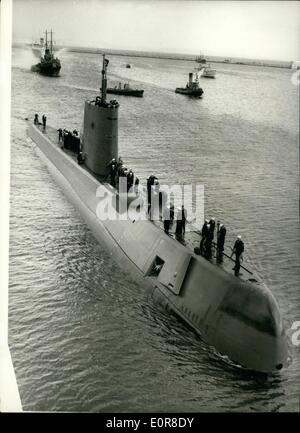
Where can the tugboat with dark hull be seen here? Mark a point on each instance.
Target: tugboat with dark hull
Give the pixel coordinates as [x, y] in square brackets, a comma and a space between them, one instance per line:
[49, 65]
[192, 87]
[126, 90]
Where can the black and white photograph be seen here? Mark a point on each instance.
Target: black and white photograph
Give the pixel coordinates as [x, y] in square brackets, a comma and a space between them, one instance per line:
[149, 209]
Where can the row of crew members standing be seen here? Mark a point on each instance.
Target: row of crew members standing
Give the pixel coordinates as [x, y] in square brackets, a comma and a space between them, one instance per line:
[181, 217]
[207, 235]
[70, 140]
[64, 135]
[117, 169]
[36, 120]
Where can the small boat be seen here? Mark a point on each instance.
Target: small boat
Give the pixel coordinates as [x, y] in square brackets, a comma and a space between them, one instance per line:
[208, 72]
[128, 65]
[49, 65]
[125, 90]
[192, 87]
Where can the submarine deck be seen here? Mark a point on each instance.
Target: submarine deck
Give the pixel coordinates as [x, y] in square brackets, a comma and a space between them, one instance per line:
[192, 236]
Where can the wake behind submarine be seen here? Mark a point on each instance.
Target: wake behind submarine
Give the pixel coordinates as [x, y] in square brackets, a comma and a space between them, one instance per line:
[240, 318]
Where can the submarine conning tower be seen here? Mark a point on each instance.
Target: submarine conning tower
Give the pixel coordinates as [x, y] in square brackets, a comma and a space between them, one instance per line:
[100, 130]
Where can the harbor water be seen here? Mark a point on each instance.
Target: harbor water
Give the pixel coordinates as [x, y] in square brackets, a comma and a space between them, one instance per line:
[83, 334]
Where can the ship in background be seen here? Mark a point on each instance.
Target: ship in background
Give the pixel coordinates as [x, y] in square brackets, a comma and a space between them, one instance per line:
[49, 65]
[125, 90]
[38, 48]
[204, 68]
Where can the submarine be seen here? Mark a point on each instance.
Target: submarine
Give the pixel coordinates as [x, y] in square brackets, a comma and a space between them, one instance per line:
[239, 317]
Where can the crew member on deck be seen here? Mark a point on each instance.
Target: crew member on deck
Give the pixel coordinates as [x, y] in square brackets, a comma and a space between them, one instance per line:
[180, 224]
[136, 185]
[130, 179]
[119, 164]
[44, 120]
[65, 133]
[167, 220]
[238, 250]
[120, 168]
[172, 214]
[60, 135]
[150, 183]
[212, 227]
[208, 242]
[203, 236]
[113, 172]
[36, 119]
[80, 158]
[220, 241]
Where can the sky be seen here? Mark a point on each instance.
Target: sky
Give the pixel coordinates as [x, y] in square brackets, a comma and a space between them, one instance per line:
[251, 29]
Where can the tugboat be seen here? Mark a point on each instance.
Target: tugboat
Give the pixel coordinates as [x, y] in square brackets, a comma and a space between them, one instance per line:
[49, 65]
[238, 315]
[192, 87]
[126, 90]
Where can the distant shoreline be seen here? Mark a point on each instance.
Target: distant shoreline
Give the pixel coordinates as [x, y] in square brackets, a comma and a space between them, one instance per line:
[175, 56]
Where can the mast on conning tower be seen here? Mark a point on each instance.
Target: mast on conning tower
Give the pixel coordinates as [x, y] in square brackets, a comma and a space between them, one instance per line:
[104, 79]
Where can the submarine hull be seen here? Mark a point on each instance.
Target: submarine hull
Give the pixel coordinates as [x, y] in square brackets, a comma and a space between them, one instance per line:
[241, 320]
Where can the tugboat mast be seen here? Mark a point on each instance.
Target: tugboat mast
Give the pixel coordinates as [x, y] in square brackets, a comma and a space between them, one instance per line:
[46, 43]
[51, 43]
